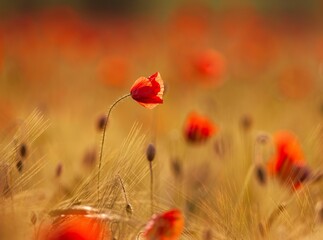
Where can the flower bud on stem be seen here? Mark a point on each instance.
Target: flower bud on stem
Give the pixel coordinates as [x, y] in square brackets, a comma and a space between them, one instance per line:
[150, 154]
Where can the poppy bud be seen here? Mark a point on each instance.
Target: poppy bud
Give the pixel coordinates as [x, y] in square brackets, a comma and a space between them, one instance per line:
[176, 167]
[129, 210]
[246, 122]
[151, 152]
[59, 170]
[23, 150]
[19, 166]
[101, 122]
[261, 174]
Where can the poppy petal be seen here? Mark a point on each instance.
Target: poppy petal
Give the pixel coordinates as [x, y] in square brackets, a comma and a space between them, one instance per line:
[166, 226]
[75, 227]
[198, 128]
[288, 163]
[148, 92]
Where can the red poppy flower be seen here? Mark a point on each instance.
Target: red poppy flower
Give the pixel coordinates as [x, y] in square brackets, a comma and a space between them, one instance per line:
[198, 128]
[75, 227]
[166, 226]
[288, 164]
[148, 92]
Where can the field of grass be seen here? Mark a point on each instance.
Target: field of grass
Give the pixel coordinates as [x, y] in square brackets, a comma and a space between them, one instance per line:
[253, 80]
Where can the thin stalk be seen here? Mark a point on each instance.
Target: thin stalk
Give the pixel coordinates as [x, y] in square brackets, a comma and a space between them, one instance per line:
[103, 138]
[123, 189]
[246, 182]
[151, 187]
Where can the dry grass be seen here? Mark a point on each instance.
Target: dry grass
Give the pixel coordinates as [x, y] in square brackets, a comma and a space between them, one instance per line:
[217, 185]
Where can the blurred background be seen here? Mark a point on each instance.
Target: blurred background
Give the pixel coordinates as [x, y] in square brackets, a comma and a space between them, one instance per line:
[251, 67]
[71, 59]
[160, 7]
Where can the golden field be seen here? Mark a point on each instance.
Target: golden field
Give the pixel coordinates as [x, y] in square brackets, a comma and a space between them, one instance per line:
[252, 74]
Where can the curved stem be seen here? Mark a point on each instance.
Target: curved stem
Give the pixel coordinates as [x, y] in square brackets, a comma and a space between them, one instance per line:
[123, 189]
[103, 138]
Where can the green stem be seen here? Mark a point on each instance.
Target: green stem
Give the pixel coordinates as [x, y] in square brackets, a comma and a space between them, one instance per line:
[103, 138]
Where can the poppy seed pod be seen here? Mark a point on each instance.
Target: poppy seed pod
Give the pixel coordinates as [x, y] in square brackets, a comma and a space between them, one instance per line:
[151, 152]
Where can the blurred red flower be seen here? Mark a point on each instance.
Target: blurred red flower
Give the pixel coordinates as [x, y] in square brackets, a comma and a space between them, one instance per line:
[198, 128]
[76, 227]
[210, 64]
[288, 163]
[166, 226]
[148, 92]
